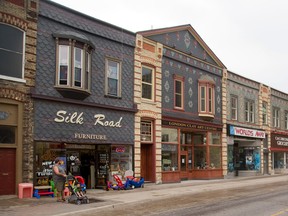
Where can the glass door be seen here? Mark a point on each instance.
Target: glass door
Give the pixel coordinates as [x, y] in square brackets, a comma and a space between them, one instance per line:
[184, 165]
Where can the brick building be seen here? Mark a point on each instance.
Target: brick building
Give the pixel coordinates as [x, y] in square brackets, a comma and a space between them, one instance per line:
[18, 27]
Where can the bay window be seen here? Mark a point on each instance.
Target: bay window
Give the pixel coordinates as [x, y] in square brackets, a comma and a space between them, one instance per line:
[206, 107]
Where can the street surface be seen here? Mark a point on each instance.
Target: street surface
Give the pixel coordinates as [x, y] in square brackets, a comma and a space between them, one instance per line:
[257, 196]
[268, 199]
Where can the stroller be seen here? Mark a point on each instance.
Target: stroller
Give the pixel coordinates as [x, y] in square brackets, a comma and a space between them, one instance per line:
[77, 195]
[81, 181]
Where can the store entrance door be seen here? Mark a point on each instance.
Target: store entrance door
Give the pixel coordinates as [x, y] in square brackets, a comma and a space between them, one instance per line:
[7, 171]
[184, 165]
[147, 168]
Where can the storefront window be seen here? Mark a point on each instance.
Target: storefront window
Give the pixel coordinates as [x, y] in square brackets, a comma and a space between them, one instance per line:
[200, 158]
[215, 157]
[169, 135]
[169, 157]
[199, 139]
[278, 160]
[230, 158]
[121, 160]
[249, 158]
[45, 154]
[214, 138]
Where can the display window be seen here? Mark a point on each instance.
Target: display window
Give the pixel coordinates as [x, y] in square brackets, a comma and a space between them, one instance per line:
[202, 149]
[249, 158]
[279, 160]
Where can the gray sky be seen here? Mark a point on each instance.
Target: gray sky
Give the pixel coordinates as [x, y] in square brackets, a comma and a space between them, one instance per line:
[248, 36]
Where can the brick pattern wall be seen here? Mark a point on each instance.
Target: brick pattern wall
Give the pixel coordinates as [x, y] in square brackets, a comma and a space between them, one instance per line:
[22, 14]
[148, 53]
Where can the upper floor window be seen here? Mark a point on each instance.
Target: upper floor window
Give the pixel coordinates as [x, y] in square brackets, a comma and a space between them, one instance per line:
[276, 117]
[113, 72]
[206, 105]
[146, 131]
[286, 120]
[11, 52]
[264, 112]
[249, 111]
[234, 107]
[178, 92]
[73, 64]
[147, 83]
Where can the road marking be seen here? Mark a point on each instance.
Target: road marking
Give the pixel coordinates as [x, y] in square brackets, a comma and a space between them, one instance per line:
[280, 212]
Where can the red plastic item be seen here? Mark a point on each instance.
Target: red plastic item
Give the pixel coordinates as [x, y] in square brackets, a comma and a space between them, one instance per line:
[25, 190]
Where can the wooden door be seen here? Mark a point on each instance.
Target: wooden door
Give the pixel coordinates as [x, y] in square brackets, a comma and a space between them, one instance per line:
[7, 171]
[147, 169]
[184, 165]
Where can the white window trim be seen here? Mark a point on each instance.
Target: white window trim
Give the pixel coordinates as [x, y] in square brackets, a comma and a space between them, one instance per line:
[152, 84]
[119, 87]
[206, 99]
[276, 117]
[249, 112]
[234, 108]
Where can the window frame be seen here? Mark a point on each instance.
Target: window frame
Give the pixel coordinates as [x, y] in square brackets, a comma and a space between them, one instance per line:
[286, 120]
[276, 117]
[235, 109]
[144, 134]
[264, 113]
[13, 78]
[181, 94]
[248, 113]
[119, 71]
[86, 53]
[206, 99]
[152, 84]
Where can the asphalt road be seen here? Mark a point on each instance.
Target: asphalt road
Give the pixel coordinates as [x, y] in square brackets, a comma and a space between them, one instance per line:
[258, 200]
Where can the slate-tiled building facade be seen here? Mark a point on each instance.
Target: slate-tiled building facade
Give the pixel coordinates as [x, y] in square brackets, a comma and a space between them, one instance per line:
[245, 134]
[279, 131]
[191, 134]
[84, 105]
[18, 27]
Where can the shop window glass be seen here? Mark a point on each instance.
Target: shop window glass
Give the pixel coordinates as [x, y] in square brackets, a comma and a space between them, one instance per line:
[199, 139]
[7, 135]
[169, 157]
[214, 138]
[169, 135]
[200, 158]
[249, 158]
[278, 160]
[215, 157]
[45, 154]
[186, 138]
[121, 160]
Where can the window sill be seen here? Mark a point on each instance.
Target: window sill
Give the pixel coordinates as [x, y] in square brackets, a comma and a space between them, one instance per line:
[72, 93]
[12, 79]
[206, 116]
[112, 96]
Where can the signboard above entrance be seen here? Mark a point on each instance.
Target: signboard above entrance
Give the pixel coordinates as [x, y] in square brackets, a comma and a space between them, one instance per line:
[246, 132]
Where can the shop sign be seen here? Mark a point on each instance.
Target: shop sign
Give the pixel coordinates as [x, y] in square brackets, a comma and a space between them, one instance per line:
[190, 125]
[246, 132]
[4, 115]
[120, 149]
[78, 118]
[278, 140]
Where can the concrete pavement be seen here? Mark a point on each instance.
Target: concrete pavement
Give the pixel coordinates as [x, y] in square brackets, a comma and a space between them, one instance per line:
[12, 206]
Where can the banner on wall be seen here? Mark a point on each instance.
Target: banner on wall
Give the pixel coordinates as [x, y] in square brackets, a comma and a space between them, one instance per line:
[245, 132]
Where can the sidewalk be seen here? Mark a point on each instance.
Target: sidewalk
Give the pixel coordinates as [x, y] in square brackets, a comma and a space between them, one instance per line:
[11, 205]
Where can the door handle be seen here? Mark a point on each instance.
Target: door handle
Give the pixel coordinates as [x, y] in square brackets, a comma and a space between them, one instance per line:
[6, 174]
